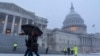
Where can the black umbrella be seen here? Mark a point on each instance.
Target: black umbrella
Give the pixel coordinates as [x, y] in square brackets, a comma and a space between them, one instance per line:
[28, 29]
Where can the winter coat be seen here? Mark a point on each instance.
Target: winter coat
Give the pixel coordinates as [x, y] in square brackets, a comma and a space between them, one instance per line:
[34, 47]
[28, 43]
[34, 44]
[75, 50]
[68, 51]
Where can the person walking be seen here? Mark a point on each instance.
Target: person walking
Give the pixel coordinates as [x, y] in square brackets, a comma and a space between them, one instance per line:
[14, 46]
[72, 51]
[75, 49]
[65, 51]
[68, 51]
[34, 44]
[47, 50]
[28, 45]
[33, 32]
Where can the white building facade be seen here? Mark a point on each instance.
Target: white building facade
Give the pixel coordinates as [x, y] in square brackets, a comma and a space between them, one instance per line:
[73, 33]
[13, 16]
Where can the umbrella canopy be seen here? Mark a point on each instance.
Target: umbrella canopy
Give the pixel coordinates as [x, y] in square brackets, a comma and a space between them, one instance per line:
[28, 29]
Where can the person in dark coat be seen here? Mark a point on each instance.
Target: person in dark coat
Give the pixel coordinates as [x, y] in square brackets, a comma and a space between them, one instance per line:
[47, 50]
[14, 46]
[68, 51]
[33, 32]
[65, 51]
[28, 45]
[34, 44]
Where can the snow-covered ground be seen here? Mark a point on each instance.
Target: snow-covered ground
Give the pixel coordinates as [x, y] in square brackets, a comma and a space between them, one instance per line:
[50, 55]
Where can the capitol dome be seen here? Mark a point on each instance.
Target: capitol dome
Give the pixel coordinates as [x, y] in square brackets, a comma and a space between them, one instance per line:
[73, 22]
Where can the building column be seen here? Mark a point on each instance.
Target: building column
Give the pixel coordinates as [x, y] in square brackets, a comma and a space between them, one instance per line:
[13, 23]
[5, 24]
[27, 21]
[20, 23]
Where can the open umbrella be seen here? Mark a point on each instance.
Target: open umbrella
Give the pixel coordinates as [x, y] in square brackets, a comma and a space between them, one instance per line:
[28, 29]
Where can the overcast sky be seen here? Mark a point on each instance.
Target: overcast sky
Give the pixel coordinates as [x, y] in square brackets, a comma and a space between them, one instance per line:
[56, 10]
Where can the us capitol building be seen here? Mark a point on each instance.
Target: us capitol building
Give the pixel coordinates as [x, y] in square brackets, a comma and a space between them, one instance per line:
[73, 32]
